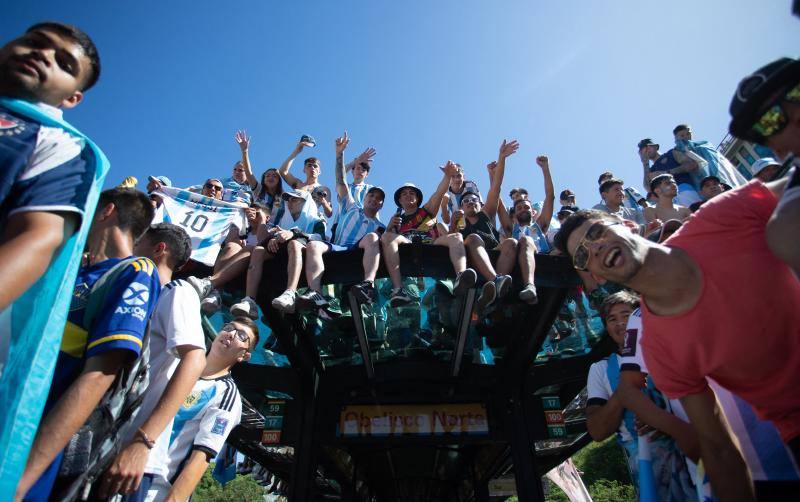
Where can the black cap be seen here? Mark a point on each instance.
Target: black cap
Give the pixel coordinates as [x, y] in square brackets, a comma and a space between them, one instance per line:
[709, 178]
[758, 91]
[566, 193]
[647, 142]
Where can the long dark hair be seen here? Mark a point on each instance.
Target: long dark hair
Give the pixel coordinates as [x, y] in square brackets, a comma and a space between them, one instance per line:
[263, 189]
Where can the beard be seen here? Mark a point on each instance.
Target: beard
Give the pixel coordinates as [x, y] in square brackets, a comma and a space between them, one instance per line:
[525, 218]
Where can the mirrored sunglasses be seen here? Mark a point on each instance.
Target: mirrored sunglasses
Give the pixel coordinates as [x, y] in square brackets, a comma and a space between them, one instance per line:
[775, 118]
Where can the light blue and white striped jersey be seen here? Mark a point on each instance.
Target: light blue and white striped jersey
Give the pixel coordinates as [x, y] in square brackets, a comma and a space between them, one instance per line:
[534, 232]
[206, 220]
[354, 224]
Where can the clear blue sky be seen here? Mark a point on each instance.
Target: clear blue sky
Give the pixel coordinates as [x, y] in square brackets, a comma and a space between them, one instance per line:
[421, 81]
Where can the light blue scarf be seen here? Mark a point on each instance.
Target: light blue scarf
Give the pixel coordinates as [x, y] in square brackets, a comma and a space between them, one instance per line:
[37, 322]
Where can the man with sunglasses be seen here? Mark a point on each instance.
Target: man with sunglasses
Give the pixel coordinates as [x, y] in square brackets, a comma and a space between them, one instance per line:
[208, 414]
[703, 310]
[766, 110]
[213, 188]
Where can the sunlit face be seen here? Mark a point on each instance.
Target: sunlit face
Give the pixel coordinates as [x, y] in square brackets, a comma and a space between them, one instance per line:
[684, 134]
[617, 322]
[457, 180]
[360, 173]
[524, 212]
[312, 169]
[213, 189]
[239, 174]
[614, 196]
[373, 201]
[44, 66]
[788, 139]
[667, 188]
[710, 189]
[616, 256]
[271, 180]
[471, 205]
[229, 345]
[295, 204]
[408, 198]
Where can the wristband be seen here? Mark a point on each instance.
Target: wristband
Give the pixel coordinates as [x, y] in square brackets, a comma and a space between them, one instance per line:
[145, 439]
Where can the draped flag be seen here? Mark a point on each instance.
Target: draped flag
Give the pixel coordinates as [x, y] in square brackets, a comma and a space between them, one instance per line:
[34, 323]
[206, 220]
[647, 481]
[567, 478]
[715, 163]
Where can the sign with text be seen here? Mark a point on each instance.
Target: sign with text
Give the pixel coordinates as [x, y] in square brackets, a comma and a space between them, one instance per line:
[413, 419]
[273, 421]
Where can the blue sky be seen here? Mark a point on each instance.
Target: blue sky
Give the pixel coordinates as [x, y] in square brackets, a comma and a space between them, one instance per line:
[421, 81]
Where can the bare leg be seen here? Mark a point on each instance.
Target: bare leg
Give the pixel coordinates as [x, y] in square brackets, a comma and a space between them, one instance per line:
[370, 243]
[455, 244]
[314, 264]
[234, 267]
[257, 258]
[508, 255]
[230, 249]
[295, 249]
[527, 263]
[476, 249]
[391, 256]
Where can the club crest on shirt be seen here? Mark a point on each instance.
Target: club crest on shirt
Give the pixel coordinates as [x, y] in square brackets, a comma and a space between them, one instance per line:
[220, 424]
[191, 399]
[629, 344]
[9, 126]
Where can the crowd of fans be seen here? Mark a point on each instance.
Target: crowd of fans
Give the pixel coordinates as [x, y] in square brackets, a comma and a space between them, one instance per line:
[713, 257]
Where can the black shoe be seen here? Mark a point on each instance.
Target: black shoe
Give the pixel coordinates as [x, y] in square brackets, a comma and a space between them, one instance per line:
[400, 297]
[464, 281]
[364, 292]
[487, 296]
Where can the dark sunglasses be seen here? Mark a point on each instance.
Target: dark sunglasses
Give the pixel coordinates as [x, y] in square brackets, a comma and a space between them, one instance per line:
[209, 186]
[775, 118]
[595, 232]
[240, 334]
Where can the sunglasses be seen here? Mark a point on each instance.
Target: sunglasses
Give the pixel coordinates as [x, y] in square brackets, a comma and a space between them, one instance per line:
[470, 200]
[240, 334]
[209, 186]
[775, 118]
[595, 232]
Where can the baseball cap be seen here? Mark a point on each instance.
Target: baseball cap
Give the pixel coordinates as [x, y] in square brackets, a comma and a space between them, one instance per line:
[377, 189]
[647, 142]
[756, 92]
[760, 164]
[298, 194]
[566, 193]
[161, 179]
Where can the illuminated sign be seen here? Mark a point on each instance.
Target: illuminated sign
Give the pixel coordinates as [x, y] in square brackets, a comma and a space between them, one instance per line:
[273, 421]
[413, 419]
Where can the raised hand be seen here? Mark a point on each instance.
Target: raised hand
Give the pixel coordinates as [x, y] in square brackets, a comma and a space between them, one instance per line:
[490, 167]
[341, 143]
[450, 168]
[243, 139]
[366, 156]
[508, 148]
[543, 161]
[301, 145]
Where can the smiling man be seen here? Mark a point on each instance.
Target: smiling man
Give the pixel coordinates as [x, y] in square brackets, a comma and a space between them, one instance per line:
[705, 295]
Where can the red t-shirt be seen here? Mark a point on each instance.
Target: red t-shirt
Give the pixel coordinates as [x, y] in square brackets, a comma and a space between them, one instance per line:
[744, 331]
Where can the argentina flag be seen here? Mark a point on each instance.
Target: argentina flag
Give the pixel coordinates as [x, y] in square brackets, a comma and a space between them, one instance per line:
[206, 220]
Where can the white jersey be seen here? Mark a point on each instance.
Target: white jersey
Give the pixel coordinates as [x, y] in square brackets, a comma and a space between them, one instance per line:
[203, 422]
[765, 454]
[206, 220]
[175, 322]
[599, 391]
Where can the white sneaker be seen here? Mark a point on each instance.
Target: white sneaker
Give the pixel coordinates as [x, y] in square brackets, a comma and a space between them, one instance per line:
[211, 303]
[201, 285]
[285, 302]
[247, 308]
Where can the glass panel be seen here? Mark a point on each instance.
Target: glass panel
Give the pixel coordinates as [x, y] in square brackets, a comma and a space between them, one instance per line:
[578, 326]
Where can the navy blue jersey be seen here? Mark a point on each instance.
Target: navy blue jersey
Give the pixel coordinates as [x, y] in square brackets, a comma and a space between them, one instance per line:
[120, 323]
[41, 168]
[666, 162]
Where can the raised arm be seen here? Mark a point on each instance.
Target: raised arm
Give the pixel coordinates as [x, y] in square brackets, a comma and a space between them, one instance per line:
[365, 156]
[686, 164]
[497, 172]
[244, 145]
[504, 217]
[341, 184]
[646, 176]
[284, 169]
[549, 194]
[432, 206]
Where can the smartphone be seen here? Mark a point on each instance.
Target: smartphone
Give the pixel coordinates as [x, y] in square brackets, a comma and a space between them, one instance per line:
[308, 139]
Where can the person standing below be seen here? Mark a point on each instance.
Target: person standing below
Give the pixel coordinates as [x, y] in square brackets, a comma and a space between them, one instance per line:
[672, 162]
[208, 414]
[417, 223]
[177, 357]
[97, 344]
[312, 170]
[666, 190]
[358, 228]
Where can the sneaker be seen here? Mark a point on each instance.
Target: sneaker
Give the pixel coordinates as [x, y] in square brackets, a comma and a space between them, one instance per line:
[364, 292]
[487, 296]
[285, 302]
[247, 307]
[310, 300]
[502, 284]
[201, 285]
[464, 281]
[528, 295]
[211, 303]
[399, 297]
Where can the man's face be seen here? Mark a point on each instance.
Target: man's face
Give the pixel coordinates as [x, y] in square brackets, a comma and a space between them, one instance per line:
[788, 139]
[617, 322]
[667, 188]
[229, 345]
[213, 189]
[239, 174]
[651, 152]
[711, 188]
[373, 200]
[408, 198]
[457, 179]
[684, 134]
[151, 185]
[44, 66]
[360, 173]
[616, 256]
[615, 195]
[523, 212]
[295, 204]
[471, 205]
[767, 173]
[312, 169]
